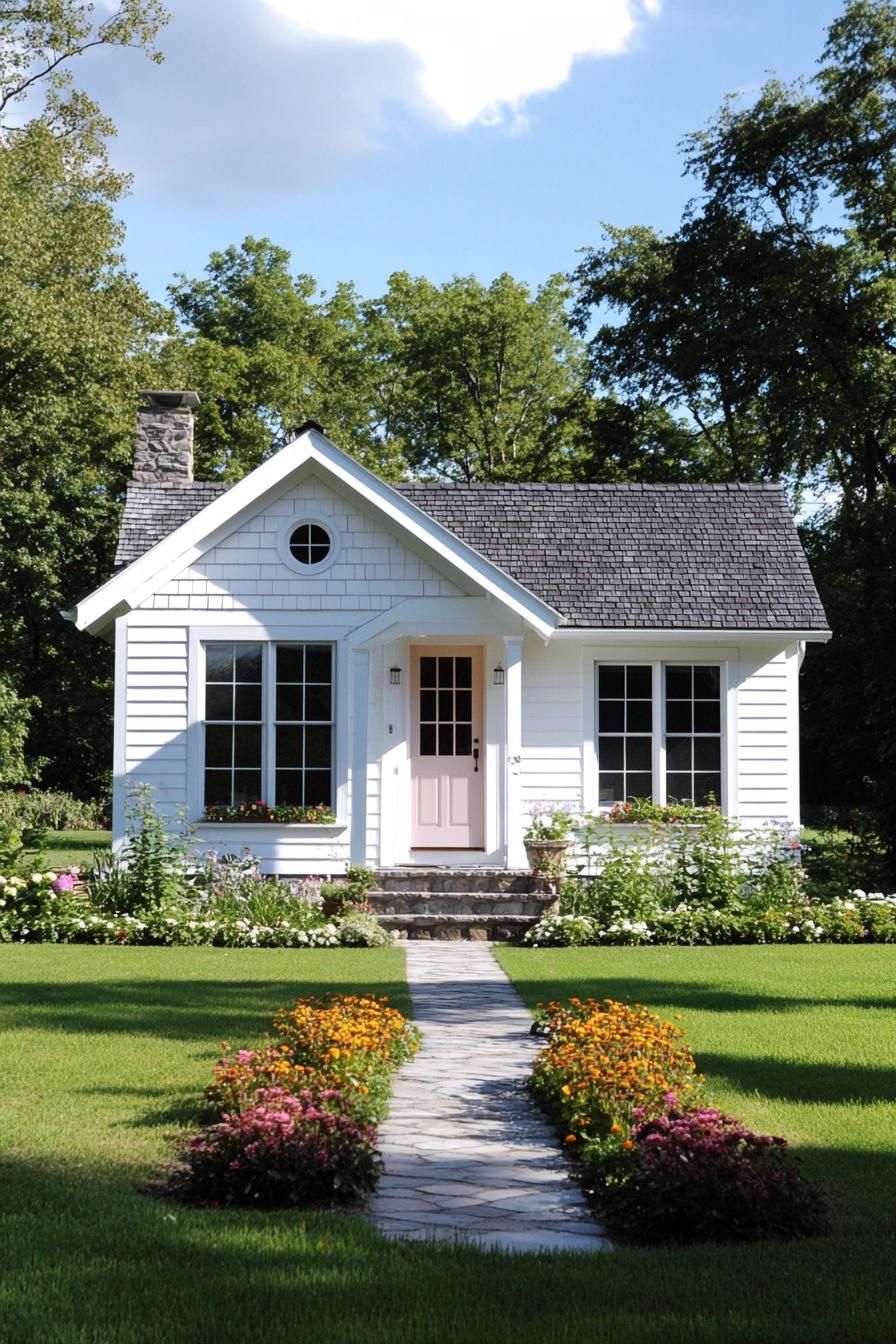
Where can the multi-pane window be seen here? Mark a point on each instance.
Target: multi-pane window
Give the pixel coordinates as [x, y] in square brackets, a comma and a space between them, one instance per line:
[286, 757]
[693, 733]
[625, 732]
[304, 724]
[687, 747]
[446, 706]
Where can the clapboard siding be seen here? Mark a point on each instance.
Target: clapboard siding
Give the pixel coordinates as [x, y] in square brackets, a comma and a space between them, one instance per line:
[552, 733]
[155, 698]
[767, 746]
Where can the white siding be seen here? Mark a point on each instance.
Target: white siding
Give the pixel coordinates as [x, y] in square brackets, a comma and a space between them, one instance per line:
[291, 851]
[553, 725]
[371, 572]
[767, 736]
[155, 701]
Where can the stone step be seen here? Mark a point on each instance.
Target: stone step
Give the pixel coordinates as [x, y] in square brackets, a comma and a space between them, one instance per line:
[475, 928]
[411, 878]
[534, 904]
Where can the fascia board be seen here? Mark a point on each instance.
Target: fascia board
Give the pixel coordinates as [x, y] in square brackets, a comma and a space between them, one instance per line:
[190, 541]
[751, 636]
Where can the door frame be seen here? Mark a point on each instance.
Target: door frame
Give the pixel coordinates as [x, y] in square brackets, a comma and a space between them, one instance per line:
[417, 651]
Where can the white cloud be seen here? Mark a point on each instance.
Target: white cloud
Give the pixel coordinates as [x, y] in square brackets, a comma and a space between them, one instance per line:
[263, 97]
[479, 60]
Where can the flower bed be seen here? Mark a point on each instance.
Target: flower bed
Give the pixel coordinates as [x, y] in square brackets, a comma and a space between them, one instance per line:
[860, 919]
[621, 1086]
[295, 1120]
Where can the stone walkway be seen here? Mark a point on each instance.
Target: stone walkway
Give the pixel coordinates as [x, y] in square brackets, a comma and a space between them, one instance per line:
[467, 1155]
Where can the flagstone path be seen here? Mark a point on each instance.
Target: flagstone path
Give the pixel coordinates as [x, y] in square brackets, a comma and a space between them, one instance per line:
[467, 1156]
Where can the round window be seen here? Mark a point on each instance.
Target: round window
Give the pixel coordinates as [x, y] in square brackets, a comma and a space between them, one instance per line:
[310, 544]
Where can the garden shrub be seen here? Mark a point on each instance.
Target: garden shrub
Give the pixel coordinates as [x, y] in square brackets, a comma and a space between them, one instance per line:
[152, 868]
[283, 1150]
[49, 810]
[357, 929]
[699, 1175]
[837, 862]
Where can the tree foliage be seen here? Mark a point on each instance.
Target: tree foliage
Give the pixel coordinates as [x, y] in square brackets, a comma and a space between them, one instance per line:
[484, 375]
[768, 316]
[269, 352]
[460, 380]
[73, 325]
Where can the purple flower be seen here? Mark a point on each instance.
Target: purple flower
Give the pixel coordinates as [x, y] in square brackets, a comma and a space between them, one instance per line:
[64, 882]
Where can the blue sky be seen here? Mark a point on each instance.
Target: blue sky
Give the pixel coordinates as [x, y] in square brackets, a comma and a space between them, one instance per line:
[436, 136]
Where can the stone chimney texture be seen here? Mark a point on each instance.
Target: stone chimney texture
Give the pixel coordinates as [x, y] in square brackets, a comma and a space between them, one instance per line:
[164, 447]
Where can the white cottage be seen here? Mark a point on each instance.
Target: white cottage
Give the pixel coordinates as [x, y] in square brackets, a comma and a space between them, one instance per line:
[432, 662]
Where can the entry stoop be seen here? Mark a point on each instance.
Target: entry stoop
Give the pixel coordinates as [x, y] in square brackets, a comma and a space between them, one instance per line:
[482, 904]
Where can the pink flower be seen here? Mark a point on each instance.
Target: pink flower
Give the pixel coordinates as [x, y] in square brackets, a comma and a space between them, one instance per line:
[64, 882]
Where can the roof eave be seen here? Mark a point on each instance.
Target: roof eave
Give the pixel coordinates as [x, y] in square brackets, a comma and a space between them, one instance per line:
[694, 635]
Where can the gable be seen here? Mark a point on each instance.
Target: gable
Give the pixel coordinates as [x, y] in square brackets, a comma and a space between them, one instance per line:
[229, 509]
[372, 568]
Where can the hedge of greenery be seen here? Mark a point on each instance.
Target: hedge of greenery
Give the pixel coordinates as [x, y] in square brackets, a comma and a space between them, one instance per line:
[723, 883]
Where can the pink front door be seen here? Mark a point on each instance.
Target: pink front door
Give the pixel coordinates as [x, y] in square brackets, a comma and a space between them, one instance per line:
[447, 760]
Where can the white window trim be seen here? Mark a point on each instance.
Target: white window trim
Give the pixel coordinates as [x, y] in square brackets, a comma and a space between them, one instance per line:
[616, 657]
[315, 520]
[200, 636]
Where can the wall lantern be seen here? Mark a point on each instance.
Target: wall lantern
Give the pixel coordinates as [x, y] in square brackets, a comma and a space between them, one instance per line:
[395, 676]
[499, 675]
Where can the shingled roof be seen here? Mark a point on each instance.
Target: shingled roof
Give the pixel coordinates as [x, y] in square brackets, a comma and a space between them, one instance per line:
[151, 512]
[676, 557]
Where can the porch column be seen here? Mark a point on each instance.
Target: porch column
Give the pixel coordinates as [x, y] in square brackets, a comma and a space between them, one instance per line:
[360, 693]
[513, 702]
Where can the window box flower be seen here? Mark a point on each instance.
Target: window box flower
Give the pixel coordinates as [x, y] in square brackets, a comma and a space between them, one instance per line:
[261, 813]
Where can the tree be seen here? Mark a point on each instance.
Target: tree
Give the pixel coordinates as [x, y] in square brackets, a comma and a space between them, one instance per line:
[269, 352]
[768, 317]
[484, 377]
[76, 335]
[462, 380]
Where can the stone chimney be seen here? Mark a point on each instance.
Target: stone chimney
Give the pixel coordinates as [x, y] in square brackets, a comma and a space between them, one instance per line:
[164, 449]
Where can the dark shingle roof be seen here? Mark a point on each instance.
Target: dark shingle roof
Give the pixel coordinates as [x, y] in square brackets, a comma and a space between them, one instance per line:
[641, 556]
[152, 511]
[684, 557]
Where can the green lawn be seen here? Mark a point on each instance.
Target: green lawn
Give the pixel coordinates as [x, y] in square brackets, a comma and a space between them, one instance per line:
[65, 848]
[104, 1051]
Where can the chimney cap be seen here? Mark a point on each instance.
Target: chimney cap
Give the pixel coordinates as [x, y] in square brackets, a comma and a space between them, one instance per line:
[169, 401]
